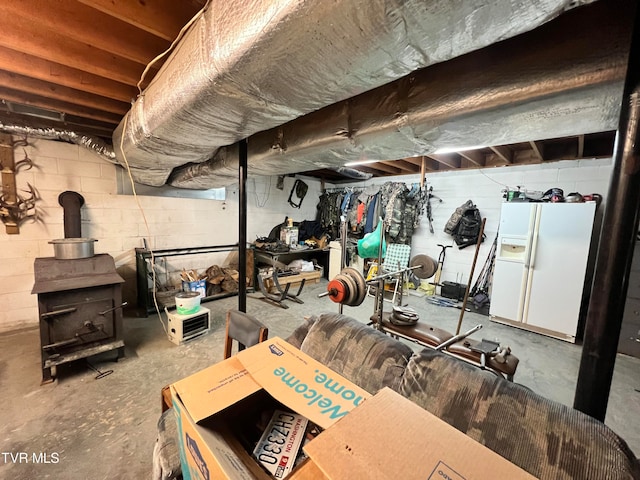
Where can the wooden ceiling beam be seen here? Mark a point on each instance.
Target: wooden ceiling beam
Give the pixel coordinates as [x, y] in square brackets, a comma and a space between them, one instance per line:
[580, 146]
[372, 168]
[538, 149]
[65, 94]
[385, 168]
[89, 26]
[58, 106]
[47, 71]
[474, 156]
[447, 159]
[402, 165]
[87, 127]
[163, 18]
[430, 164]
[18, 35]
[505, 153]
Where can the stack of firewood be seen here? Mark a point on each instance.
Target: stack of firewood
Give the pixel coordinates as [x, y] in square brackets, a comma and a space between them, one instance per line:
[190, 275]
[221, 279]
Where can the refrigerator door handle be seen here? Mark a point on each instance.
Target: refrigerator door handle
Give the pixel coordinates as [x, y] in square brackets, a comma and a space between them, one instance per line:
[534, 225]
[534, 241]
[531, 265]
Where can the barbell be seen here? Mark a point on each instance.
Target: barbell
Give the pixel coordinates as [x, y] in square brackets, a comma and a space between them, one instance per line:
[349, 287]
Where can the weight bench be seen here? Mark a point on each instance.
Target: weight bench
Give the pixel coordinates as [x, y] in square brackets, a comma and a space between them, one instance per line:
[479, 354]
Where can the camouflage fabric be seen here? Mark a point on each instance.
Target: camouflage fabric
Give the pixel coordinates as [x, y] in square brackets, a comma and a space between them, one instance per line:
[366, 356]
[402, 209]
[545, 438]
[452, 224]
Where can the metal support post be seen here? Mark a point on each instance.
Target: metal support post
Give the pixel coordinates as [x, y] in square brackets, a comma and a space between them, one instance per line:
[615, 253]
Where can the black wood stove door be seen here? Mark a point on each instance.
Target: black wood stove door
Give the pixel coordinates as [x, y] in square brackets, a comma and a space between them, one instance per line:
[77, 317]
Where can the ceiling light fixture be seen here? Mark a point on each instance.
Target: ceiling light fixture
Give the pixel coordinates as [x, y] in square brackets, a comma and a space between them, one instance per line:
[459, 149]
[360, 162]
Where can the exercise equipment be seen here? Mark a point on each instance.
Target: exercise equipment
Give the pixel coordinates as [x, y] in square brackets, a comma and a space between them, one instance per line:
[349, 287]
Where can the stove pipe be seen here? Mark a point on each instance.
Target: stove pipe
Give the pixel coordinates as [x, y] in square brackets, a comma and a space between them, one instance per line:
[71, 203]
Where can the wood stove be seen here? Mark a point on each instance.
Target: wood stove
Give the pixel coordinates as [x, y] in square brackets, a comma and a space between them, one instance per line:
[80, 308]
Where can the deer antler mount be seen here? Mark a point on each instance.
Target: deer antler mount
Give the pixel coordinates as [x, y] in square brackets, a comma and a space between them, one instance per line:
[14, 208]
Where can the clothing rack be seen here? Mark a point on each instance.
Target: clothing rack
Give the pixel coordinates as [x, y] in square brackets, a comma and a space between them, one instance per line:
[344, 189]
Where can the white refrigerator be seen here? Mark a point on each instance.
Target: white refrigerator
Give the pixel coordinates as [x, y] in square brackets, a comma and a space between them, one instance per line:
[540, 266]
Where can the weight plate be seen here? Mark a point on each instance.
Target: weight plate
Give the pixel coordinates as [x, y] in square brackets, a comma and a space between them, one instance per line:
[352, 289]
[427, 266]
[361, 285]
[337, 290]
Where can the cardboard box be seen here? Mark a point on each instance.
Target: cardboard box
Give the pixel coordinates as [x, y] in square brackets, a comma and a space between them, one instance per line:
[199, 286]
[212, 405]
[390, 437]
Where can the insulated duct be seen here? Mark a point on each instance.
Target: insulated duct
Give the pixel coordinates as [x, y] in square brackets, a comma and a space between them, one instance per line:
[562, 79]
[94, 144]
[238, 71]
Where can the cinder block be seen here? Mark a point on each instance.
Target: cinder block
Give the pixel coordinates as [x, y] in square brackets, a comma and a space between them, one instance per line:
[98, 185]
[579, 174]
[108, 171]
[19, 249]
[78, 168]
[47, 148]
[13, 267]
[18, 300]
[18, 319]
[16, 284]
[57, 183]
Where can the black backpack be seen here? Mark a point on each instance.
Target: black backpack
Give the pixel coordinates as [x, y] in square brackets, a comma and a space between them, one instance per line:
[468, 229]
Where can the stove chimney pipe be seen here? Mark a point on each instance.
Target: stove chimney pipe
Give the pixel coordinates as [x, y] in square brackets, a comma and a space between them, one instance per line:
[71, 203]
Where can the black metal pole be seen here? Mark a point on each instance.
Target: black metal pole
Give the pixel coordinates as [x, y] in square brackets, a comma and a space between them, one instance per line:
[242, 226]
[617, 240]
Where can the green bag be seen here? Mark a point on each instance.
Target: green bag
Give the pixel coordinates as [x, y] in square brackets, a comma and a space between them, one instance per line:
[369, 244]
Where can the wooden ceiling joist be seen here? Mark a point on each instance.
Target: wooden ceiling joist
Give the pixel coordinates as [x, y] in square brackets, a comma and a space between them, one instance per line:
[58, 106]
[505, 153]
[65, 94]
[410, 166]
[83, 127]
[382, 166]
[404, 167]
[580, 146]
[538, 148]
[474, 156]
[57, 48]
[47, 71]
[450, 160]
[163, 18]
[86, 25]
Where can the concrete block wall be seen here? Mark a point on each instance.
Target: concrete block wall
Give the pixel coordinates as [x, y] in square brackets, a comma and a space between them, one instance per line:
[484, 187]
[118, 221]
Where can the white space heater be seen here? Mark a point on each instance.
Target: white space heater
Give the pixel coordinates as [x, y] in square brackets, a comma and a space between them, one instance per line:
[182, 328]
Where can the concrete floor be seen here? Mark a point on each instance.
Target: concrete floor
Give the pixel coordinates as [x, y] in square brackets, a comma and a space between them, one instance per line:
[105, 429]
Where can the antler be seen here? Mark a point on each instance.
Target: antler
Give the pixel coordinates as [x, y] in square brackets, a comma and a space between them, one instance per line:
[25, 161]
[14, 213]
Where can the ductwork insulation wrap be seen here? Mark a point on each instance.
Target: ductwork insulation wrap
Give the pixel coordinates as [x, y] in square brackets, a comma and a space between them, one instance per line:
[94, 144]
[563, 79]
[238, 71]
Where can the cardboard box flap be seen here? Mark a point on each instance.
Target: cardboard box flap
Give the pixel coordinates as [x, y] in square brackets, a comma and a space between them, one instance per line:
[199, 392]
[300, 382]
[391, 437]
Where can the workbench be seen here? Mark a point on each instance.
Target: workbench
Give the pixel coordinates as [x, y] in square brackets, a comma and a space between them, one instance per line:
[282, 259]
